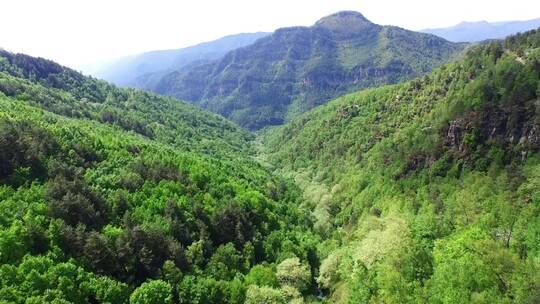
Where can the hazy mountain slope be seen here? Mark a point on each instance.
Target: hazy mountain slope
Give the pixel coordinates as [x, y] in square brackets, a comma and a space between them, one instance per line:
[111, 195]
[296, 69]
[131, 71]
[483, 30]
[427, 191]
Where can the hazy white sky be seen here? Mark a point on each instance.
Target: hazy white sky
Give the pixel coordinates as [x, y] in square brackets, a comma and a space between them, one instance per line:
[77, 32]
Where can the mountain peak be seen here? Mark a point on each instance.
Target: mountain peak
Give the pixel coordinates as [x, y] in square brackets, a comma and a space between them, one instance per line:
[345, 20]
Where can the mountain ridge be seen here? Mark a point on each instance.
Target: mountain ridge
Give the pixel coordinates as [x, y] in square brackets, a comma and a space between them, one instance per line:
[475, 31]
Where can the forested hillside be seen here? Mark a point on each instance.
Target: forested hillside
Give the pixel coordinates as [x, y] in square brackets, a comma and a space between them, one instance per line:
[295, 69]
[119, 196]
[427, 191]
[60, 90]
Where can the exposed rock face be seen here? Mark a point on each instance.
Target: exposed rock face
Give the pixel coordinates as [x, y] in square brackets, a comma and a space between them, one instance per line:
[454, 135]
[506, 127]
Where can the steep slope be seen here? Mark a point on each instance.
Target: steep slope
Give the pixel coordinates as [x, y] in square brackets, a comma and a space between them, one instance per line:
[137, 71]
[110, 195]
[483, 30]
[296, 69]
[427, 191]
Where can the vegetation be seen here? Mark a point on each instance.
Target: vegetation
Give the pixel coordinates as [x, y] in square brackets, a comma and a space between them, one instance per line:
[296, 69]
[427, 191]
[421, 192]
[162, 203]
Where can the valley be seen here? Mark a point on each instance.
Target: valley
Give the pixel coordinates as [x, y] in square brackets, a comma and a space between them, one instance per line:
[344, 162]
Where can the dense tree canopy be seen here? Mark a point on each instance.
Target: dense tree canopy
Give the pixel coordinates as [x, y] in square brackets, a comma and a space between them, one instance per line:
[118, 196]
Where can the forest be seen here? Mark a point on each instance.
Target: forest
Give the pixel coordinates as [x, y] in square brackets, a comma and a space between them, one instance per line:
[115, 196]
[426, 191]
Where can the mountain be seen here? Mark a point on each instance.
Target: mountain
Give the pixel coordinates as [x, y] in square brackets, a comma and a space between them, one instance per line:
[130, 71]
[112, 195]
[298, 68]
[427, 191]
[483, 30]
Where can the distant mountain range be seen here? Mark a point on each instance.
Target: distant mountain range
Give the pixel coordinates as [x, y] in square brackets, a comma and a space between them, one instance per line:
[295, 69]
[125, 71]
[483, 30]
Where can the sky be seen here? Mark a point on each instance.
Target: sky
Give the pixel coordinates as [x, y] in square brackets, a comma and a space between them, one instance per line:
[80, 33]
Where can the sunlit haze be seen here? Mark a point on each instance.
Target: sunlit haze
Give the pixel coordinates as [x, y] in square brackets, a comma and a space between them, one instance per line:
[77, 33]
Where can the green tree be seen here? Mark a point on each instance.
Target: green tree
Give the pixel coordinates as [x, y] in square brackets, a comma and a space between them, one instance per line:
[152, 292]
[224, 263]
[107, 290]
[261, 275]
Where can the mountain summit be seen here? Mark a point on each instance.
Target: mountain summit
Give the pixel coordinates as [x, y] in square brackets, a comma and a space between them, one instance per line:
[346, 21]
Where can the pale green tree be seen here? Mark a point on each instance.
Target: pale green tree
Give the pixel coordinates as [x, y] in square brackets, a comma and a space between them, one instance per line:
[264, 295]
[293, 273]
